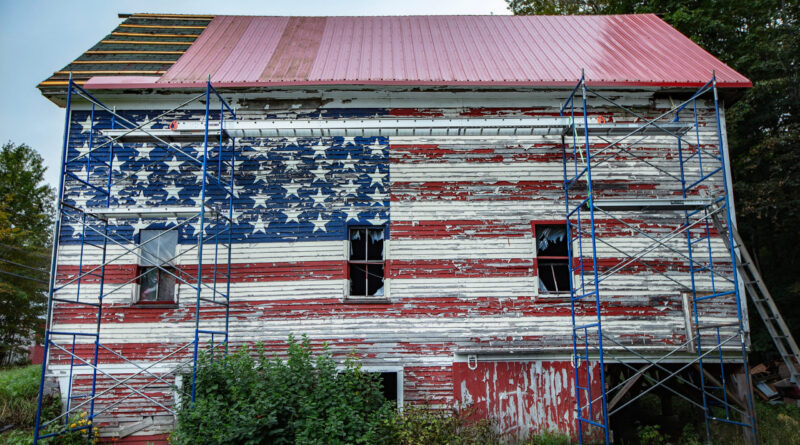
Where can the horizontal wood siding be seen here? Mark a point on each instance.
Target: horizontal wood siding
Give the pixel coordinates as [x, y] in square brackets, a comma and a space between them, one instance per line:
[461, 260]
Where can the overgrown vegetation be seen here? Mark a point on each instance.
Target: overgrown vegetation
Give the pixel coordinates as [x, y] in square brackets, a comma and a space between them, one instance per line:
[261, 399]
[26, 212]
[19, 390]
[19, 393]
[250, 397]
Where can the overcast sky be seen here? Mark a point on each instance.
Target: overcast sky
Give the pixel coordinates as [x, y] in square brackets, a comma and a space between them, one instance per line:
[38, 37]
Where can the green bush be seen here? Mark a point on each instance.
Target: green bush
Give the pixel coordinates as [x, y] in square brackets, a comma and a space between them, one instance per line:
[425, 426]
[264, 400]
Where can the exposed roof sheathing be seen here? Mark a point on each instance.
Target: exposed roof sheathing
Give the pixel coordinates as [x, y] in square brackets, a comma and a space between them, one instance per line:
[144, 45]
[253, 51]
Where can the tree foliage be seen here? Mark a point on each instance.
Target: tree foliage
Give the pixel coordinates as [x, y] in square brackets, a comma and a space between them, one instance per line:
[760, 39]
[26, 211]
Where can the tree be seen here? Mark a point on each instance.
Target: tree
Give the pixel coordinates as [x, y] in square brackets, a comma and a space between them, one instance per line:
[26, 213]
[760, 39]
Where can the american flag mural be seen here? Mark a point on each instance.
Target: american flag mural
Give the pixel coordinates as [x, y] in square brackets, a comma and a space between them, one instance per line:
[458, 217]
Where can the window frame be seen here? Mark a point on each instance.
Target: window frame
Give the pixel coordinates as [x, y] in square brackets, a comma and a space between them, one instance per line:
[348, 262]
[551, 258]
[162, 269]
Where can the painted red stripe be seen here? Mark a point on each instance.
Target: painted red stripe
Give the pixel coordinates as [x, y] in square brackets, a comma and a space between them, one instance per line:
[400, 307]
[460, 268]
[473, 229]
[424, 154]
[240, 272]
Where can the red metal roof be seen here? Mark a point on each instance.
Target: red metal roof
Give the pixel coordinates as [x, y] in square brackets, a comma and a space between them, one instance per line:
[614, 50]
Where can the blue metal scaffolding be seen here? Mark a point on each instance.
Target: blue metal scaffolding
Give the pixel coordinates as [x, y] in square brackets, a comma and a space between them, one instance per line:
[104, 224]
[597, 148]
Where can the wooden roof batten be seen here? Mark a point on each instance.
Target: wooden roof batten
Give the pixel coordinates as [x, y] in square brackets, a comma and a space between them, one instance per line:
[146, 37]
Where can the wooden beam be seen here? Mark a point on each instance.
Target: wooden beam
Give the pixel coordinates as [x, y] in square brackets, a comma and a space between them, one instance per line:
[112, 72]
[174, 16]
[119, 62]
[716, 382]
[133, 52]
[125, 25]
[142, 42]
[60, 82]
[626, 387]
[144, 34]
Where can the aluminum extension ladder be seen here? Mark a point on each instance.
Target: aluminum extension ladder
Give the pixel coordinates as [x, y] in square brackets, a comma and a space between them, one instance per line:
[765, 305]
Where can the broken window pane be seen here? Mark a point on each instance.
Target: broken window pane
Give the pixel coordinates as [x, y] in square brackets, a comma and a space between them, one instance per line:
[366, 261]
[552, 258]
[358, 279]
[375, 245]
[553, 276]
[375, 280]
[358, 244]
[551, 240]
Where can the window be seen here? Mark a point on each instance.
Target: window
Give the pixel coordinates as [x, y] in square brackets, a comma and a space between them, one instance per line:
[365, 266]
[552, 257]
[157, 285]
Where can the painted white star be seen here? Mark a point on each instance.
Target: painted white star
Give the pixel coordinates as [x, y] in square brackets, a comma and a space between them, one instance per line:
[352, 213]
[378, 197]
[291, 141]
[144, 150]
[349, 140]
[320, 149]
[291, 189]
[377, 177]
[83, 149]
[173, 166]
[142, 175]
[172, 192]
[319, 223]
[260, 225]
[140, 224]
[349, 163]
[319, 198]
[377, 148]
[319, 172]
[291, 164]
[350, 188]
[292, 214]
[376, 221]
[86, 126]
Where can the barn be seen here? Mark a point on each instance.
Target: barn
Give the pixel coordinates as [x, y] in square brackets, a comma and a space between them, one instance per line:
[524, 215]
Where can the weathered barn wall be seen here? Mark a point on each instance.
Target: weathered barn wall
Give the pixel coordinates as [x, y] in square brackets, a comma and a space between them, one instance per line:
[460, 257]
[521, 394]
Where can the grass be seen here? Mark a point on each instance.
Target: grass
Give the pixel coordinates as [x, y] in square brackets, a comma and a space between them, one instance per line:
[19, 391]
[19, 394]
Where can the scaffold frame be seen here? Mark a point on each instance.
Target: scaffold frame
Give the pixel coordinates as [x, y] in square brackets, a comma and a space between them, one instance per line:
[215, 163]
[698, 203]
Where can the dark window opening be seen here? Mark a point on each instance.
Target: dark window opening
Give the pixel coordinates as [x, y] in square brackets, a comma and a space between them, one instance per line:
[388, 381]
[365, 265]
[156, 270]
[552, 256]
